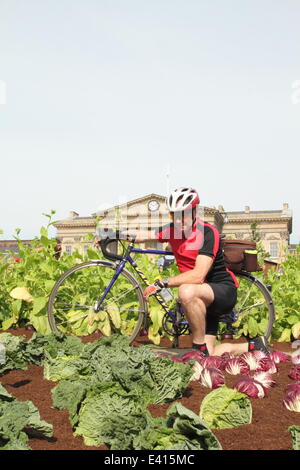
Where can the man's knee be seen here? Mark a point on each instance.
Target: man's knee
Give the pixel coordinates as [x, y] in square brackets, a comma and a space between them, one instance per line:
[186, 293]
[189, 292]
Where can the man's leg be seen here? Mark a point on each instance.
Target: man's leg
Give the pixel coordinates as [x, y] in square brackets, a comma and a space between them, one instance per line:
[210, 344]
[232, 348]
[195, 299]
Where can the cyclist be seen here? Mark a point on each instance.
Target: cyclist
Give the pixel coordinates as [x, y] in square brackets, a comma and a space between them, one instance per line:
[206, 287]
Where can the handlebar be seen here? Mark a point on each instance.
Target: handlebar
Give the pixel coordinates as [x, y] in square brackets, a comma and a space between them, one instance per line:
[112, 237]
[108, 254]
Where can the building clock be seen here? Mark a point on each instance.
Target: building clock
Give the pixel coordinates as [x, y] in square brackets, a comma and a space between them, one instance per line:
[153, 205]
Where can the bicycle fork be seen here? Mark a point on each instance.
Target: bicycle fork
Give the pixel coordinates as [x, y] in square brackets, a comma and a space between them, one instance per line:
[120, 268]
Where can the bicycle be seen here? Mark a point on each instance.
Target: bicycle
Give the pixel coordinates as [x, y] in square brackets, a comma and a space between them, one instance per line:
[106, 292]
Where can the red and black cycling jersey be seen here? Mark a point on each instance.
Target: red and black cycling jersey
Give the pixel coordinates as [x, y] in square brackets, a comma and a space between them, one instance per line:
[203, 239]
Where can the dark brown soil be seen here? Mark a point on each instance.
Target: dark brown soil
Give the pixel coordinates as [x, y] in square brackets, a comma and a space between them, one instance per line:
[268, 430]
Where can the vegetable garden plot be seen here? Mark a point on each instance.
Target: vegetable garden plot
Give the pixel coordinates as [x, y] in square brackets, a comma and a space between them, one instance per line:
[268, 429]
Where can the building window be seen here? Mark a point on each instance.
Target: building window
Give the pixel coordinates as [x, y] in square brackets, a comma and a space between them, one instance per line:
[274, 250]
[69, 250]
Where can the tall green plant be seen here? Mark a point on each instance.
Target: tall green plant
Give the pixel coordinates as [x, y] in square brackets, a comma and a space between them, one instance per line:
[286, 295]
[26, 284]
[256, 236]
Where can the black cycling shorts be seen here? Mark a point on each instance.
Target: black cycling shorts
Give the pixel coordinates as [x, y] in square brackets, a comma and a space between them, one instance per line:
[224, 301]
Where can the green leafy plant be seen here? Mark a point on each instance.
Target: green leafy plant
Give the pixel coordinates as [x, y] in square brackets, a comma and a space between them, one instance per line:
[17, 417]
[26, 285]
[295, 435]
[284, 283]
[256, 236]
[28, 281]
[226, 408]
[286, 295]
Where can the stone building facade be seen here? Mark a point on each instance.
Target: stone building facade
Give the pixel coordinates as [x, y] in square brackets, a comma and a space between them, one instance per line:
[11, 246]
[273, 226]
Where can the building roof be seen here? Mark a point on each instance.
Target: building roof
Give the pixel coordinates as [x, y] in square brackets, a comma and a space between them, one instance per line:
[133, 202]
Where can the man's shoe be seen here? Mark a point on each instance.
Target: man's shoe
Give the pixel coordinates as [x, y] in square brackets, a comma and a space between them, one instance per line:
[202, 348]
[258, 344]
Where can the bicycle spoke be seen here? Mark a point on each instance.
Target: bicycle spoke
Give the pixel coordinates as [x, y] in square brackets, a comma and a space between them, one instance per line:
[250, 307]
[70, 320]
[120, 296]
[248, 295]
[75, 295]
[254, 307]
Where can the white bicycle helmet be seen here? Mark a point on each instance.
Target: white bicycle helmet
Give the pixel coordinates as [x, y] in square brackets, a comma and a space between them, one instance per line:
[181, 199]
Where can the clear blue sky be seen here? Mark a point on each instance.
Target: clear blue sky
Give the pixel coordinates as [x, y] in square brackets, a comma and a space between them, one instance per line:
[104, 97]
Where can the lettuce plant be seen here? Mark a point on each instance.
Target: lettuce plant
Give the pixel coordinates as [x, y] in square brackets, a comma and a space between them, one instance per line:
[294, 431]
[181, 430]
[226, 408]
[16, 418]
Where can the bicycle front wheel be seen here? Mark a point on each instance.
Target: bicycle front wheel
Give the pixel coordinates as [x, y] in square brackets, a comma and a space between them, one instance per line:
[72, 302]
[254, 307]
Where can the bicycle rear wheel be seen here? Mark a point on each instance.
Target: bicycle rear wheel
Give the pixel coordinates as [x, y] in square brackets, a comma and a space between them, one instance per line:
[254, 308]
[71, 306]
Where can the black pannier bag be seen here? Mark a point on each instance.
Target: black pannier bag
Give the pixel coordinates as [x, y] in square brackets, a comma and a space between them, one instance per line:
[240, 255]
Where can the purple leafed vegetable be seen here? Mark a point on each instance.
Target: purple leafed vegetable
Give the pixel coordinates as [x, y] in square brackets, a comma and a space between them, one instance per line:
[192, 355]
[212, 378]
[292, 387]
[251, 360]
[265, 378]
[279, 356]
[295, 372]
[236, 366]
[213, 361]
[197, 369]
[292, 401]
[176, 359]
[266, 364]
[226, 355]
[250, 387]
[296, 357]
[258, 355]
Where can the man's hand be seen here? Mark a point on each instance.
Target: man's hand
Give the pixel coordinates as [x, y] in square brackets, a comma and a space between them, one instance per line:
[157, 286]
[97, 243]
